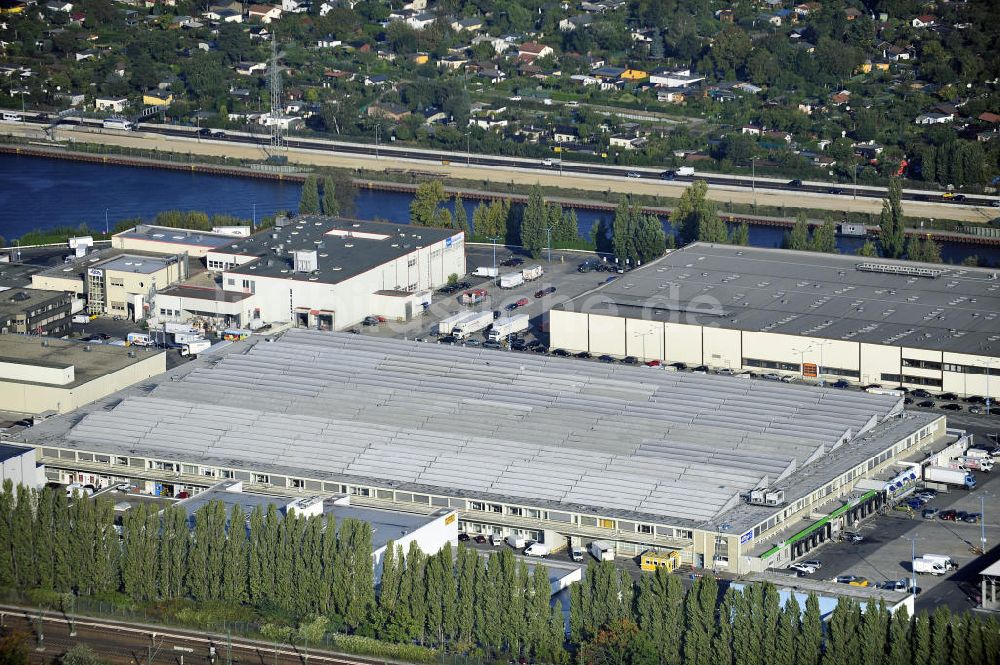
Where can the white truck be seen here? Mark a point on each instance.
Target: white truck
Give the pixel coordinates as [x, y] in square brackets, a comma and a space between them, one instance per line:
[81, 318]
[685, 170]
[531, 273]
[602, 550]
[117, 123]
[508, 325]
[194, 348]
[984, 464]
[931, 566]
[511, 280]
[486, 272]
[446, 325]
[942, 474]
[517, 542]
[536, 549]
[472, 324]
[944, 559]
[186, 337]
[140, 339]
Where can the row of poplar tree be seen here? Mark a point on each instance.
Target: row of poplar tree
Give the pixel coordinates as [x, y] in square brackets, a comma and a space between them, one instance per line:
[304, 567]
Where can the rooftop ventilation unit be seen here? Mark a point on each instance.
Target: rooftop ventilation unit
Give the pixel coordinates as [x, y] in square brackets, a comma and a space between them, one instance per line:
[305, 260]
[892, 269]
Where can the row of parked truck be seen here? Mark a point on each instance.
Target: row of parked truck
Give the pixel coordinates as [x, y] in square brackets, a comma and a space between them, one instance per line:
[464, 324]
[511, 280]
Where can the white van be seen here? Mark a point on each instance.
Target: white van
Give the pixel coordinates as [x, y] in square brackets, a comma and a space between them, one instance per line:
[944, 559]
[536, 549]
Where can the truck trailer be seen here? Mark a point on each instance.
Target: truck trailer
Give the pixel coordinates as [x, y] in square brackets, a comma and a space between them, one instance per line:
[195, 347]
[602, 550]
[984, 464]
[942, 474]
[508, 325]
[472, 324]
[511, 280]
[531, 273]
[446, 325]
[486, 272]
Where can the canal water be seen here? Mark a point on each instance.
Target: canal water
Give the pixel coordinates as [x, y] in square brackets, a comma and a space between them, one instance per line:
[39, 193]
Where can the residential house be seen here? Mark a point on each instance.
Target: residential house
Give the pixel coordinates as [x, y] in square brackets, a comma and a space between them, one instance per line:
[498, 43]
[724, 15]
[59, 6]
[264, 13]
[469, 24]
[113, 104]
[250, 68]
[157, 97]
[990, 118]
[88, 54]
[626, 141]
[750, 130]
[676, 78]
[575, 22]
[671, 95]
[77, 19]
[565, 134]
[824, 161]
[776, 135]
[933, 118]
[634, 75]
[852, 13]
[328, 42]
[748, 87]
[421, 21]
[260, 32]
[490, 73]
[376, 80]
[453, 62]
[841, 97]
[386, 110]
[924, 21]
[584, 80]
[294, 6]
[531, 51]
[433, 115]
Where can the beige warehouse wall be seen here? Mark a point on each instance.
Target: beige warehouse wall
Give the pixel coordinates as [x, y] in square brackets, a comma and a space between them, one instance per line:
[52, 283]
[876, 360]
[568, 330]
[644, 339]
[972, 384]
[154, 247]
[723, 347]
[682, 343]
[921, 354]
[607, 335]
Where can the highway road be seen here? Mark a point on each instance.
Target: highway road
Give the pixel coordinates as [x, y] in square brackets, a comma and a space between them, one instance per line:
[736, 189]
[130, 643]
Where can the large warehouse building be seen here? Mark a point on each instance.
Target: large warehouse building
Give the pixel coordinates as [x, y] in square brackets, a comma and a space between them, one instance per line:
[818, 316]
[557, 450]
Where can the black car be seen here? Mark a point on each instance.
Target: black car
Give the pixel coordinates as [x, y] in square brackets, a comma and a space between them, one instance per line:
[518, 345]
[958, 197]
[976, 399]
[951, 406]
[679, 365]
[668, 175]
[512, 261]
[630, 360]
[835, 190]
[461, 286]
[448, 339]
[701, 368]
[795, 183]
[447, 290]
[204, 131]
[370, 321]
[490, 344]
[496, 314]
[584, 354]
[921, 393]
[606, 358]
[218, 135]
[948, 397]
[926, 404]
[907, 400]
[463, 537]
[840, 383]
[562, 353]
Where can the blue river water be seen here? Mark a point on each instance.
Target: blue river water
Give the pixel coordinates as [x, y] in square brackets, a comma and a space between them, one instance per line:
[38, 193]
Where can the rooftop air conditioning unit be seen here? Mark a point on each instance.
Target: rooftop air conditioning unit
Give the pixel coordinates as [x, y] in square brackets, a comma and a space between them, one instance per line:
[774, 498]
[757, 496]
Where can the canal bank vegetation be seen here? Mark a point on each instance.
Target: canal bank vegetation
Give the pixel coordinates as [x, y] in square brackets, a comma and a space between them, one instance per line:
[309, 582]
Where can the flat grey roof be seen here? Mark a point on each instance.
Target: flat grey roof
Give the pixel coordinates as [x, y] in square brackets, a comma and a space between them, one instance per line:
[100, 360]
[344, 247]
[830, 296]
[386, 524]
[115, 259]
[472, 422]
[9, 452]
[174, 236]
[142, 265]
[13, 275]
[15, 301]
[204, 293]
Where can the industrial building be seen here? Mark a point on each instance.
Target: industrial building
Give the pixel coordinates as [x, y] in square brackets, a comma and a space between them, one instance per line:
[35, 312]
[208, 307]
[114, 284]
[735, 474]
[330, 273]
[153, 239]
[430, 531]
[805, 314]
[18, 465]
[42, 374]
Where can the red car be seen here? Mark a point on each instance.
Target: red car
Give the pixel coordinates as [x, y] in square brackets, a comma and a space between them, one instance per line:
[521, 303]
[654, 363]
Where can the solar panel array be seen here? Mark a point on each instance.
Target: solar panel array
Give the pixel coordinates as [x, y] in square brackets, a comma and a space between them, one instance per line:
[490, 422]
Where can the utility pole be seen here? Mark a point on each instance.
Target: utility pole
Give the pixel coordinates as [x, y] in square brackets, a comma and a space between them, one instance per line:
[277, 134]
[106, 221]
[253, 221]
[913, 557]
[468, 148]
[40, 630]
[496, 275]
[982, 520]
[548, 235]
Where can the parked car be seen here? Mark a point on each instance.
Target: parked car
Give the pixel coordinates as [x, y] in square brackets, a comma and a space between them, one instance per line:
[915, 503]
[853, 536]
[630, 360]
[803, 568]
[472, 342]
[562, 353]
[948, 515]
[463, 537]
[584, 354]
[921, 393]
[654, 363]
[448, 339]
[813, 563]
[480, 539]
[927, 494]
[679, 365]
[606, 358]
[895, 585]
[370, 321]
[951, 406]
[771, 376]
[972, 518]
[929, 513]
[926, 404]
[517, 345]
[853, 580]
[841, 383]
[948, 397]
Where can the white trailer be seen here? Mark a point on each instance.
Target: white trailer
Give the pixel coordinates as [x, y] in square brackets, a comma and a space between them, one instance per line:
[173, 328]
[942, 474]
[517, 542]
[472, 324]
[531, 273]
[984, 464]
[508, 325]
[602, 550]
[117, 123]
[196, 347]
[486, 272]
[511, 280]
[944, 559]
[446, 325]
[140, 339]
[186, 337]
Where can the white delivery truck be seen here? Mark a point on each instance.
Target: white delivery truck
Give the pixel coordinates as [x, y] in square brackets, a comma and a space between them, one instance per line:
[508, 325]
[685, 170]
[511, 280]
[602, 550]
[943, 559]
[517, 542]
[536, 549]
[922, 566]
[984, 464]
[472, 324]
[140, 339]
[531, 273]
[195, 347]
[486, 272]
[117, 123]
[977, 452]
[186, 337]
[942, 474]
[81, 318]
[446, 325]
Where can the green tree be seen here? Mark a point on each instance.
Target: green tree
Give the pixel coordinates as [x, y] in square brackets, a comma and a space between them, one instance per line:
[460, 220]
[425, 208]
[741, 235]
[843, 642]
[868, 249]
[309, 201]
[921, 640]
[809, 641]
[533, 222]
[234, 559]
[80, 654]
[696, 217]
[651, 240]
[891, 223]
[825, 238]
[798, 237]
[330, 204]
[940, 622]
[898, 647]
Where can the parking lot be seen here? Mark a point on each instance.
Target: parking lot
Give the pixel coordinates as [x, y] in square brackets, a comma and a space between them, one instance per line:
[885, 552]
[560, 273]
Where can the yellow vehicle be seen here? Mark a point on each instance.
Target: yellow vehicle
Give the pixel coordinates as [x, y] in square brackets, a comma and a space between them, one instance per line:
[653, 559]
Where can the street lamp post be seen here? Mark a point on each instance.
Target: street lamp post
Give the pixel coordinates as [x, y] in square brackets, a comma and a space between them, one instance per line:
[468, 148]
[802, 358]
[753, 180]
[644, 335]
[982, 520]
[819, 370]
[913, 558]
[548, 236]
[494, 239]
[377, 127]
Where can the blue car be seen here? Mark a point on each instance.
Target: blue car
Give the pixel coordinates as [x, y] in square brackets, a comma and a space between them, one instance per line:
[915, 503]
